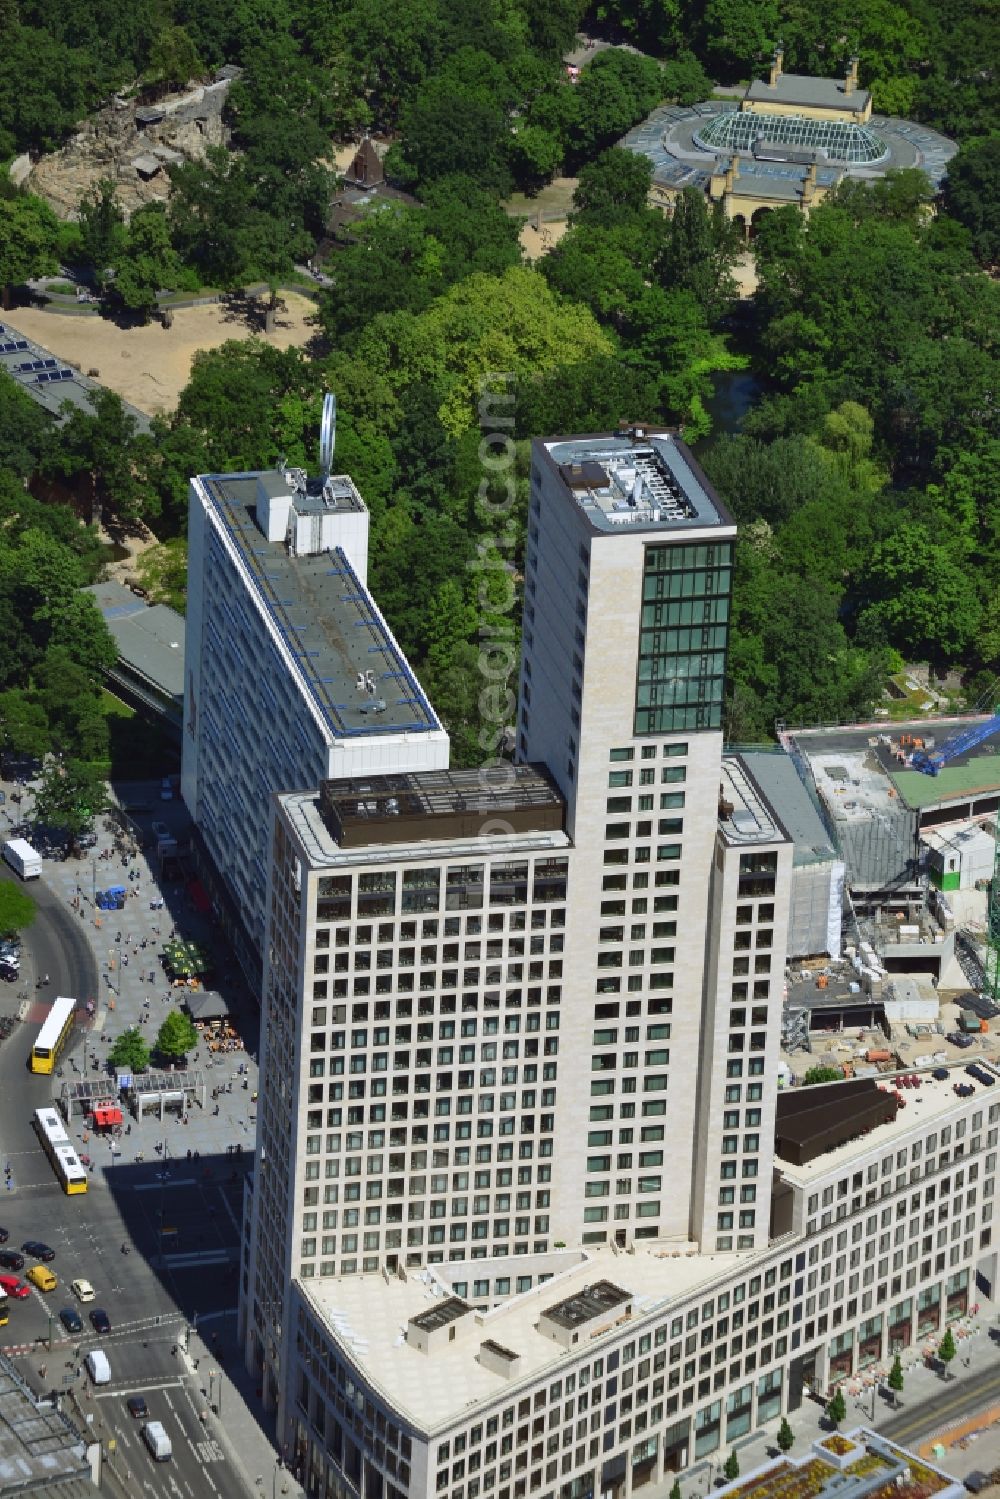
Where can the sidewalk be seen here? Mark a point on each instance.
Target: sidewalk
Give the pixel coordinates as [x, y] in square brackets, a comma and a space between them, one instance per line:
[236, 1417]
[134, 991]
[977, 1354]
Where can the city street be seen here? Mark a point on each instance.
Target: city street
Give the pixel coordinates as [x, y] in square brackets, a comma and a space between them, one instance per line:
[158, 1233]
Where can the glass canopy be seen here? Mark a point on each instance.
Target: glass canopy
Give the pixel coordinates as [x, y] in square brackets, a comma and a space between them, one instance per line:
[779, 136]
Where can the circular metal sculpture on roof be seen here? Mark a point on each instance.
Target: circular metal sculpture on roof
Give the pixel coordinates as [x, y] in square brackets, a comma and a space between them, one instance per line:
[327, 433]
[777, 137]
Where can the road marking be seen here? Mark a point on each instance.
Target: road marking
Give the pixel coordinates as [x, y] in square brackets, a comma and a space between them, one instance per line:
[225, 1202]
[208, 1451]
[199, 1257]
[141, 1389]
[171, 1181]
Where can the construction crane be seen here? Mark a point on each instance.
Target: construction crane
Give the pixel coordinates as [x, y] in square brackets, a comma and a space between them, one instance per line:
[931, 761]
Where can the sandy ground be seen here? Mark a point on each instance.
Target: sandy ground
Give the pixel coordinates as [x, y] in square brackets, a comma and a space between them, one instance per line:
[150, 366]
[536, 242]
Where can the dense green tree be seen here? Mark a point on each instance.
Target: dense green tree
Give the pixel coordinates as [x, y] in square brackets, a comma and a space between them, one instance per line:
[65, 82]
[699, 249]
[457, 122]
[916, 587]
[173, 58]
[70, 795]
[972, 194]
[147, 262]
[785, 1438]
[615, 92]
[737, 34]
[24, 724]
[102, 227]
[895, 1380]
[98, 446]
[28, 231]
[176, 1036]
[129, 1053]
[24, 432]
[243, 406]
[731, 1468]
[685, 81]
[612, 186]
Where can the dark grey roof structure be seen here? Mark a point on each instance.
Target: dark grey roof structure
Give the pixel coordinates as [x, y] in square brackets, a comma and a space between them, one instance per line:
[328, 620]
[790, 89]
[777, 777]
[41, 1451]
[48, 380]
[150, 641]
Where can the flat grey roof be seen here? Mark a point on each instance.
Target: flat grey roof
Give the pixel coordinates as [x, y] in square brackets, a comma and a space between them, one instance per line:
[745, 815]
[777, 777]
[149, 637]
[48, 380]
[328, 621]
[816, 93]
[37, 1446]
[647, 480]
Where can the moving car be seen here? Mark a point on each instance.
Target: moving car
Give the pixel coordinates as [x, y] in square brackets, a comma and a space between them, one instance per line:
[82, 1290]
[11, 1260]
[38, 1250]
[99, 1320]
[137, 1407]
[42, 1277]
[157, 1441]
[98, 1367]
[71, 1319]
[4, 1236]
[14, 1287]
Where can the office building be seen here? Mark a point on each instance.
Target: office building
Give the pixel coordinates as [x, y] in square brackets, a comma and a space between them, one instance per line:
[529, 1216]
[292, 674]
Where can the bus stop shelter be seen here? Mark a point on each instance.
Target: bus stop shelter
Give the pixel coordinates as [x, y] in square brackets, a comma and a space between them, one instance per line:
[163, 1090]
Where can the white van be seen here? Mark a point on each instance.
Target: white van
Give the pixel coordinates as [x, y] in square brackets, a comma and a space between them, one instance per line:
[157, 1441]
[22, 858]
[98, 1367]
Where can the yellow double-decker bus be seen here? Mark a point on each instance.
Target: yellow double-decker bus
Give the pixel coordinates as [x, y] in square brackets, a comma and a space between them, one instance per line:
[56, 1143]
[53, 1036]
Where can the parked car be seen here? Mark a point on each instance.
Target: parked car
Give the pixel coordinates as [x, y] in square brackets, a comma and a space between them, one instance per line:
[71, 1319]
[82, 1290]
[14, 1287]
[166, 791]
[99, 1320]
[4, 1236]
[38, 1250]
[42, 1277]
[11, 1260]
[160, 829]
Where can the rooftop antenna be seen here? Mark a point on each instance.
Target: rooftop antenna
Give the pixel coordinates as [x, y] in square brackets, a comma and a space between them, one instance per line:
[327, 433]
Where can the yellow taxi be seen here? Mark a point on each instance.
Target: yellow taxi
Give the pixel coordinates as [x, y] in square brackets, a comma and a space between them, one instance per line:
[42, 1277]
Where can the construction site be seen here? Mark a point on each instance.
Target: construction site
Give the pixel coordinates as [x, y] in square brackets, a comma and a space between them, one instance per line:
[897, 858]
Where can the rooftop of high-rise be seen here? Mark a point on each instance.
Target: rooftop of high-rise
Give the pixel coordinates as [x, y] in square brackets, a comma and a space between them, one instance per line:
[638, 479]
[279, 526]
